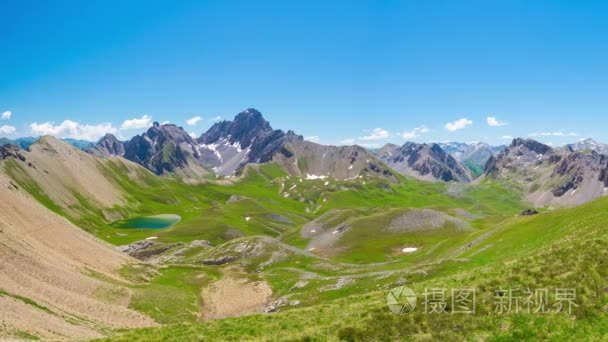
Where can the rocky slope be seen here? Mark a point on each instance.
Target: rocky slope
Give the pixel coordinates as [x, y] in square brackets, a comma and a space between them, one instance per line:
[64, 175]
[47, 283]
[424, 161]
[165, 149]
[551, 176]
[109, 145]
[60, 171]
[314, 161]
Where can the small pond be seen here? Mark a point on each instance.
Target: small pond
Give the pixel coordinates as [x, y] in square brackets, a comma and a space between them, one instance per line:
[148, 222]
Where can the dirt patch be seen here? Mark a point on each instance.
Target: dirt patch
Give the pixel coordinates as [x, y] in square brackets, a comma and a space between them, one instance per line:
[232, 296]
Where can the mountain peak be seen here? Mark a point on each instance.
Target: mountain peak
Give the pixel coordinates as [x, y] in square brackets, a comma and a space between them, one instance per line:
[531, 145]
[109, 137]
[253, 119]
[425, 161]
[109, 145]
[246, 126]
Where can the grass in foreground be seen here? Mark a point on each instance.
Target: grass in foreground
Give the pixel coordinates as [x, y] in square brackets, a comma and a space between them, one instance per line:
[561, 249]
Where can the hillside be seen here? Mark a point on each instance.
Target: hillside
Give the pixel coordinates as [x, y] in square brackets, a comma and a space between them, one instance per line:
[283, 243]
[57, 281]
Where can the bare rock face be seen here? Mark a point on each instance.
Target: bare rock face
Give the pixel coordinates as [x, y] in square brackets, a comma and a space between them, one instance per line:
[162, 149]
[109, 145]
[425, 161]
[249, 138]
[551, 175]
[11, 151]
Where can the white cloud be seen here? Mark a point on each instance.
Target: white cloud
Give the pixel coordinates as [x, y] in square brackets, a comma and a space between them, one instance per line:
[137, 123]
[7, 130]
[507, 137]
[6, 115]
[492, 121]
[194, 120]
[193, 135]
[376, 134]
[458, 124]
[370, 145]
[165, 122]
[216, 119]
[73, 129]
[313, 138]
[414, 132]
[349, 141]
[553, 134]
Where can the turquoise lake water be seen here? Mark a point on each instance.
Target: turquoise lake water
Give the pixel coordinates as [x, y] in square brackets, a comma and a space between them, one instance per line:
[148, 222]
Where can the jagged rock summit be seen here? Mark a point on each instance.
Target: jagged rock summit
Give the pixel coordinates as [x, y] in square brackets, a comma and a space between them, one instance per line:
[424, 161]
[228, 146]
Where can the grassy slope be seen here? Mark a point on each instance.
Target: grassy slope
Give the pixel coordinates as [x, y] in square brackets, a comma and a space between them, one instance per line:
[566, 248]
[172, 295]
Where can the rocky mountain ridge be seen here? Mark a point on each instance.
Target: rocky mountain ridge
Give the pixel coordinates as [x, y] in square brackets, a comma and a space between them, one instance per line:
[551, 176]
[424, 161]
[228, 146]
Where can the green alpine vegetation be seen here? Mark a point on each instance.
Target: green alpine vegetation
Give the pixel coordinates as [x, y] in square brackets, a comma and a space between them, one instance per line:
[274, 256]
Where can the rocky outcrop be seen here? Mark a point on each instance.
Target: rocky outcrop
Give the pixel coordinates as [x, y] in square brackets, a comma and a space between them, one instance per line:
[220, 260]
[529, 212]
[146, 249]
[11, 151]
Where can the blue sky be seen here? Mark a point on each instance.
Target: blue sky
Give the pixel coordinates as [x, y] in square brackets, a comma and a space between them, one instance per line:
[349, 71]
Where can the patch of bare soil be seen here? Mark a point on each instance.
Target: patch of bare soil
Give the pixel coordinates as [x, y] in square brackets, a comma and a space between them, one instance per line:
[231, 296]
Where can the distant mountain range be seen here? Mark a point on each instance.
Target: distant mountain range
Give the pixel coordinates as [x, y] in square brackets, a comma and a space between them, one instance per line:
[571, 174]
[25, 142]
[474, 155]
[589, 145]
[424, 161]
[228, 146]
[560, 176]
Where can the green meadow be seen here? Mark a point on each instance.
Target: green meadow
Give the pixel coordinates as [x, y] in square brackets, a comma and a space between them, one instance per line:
[339, 293]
